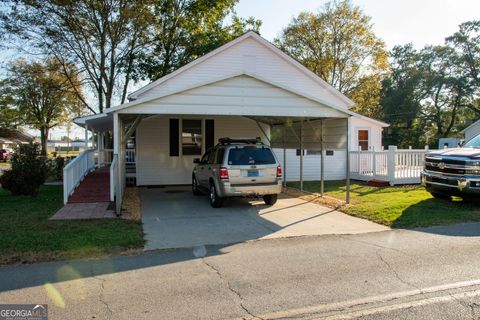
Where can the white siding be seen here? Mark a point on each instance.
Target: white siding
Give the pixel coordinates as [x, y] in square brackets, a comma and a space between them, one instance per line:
[249, 56]
[335, 166]
[154, 164]
[240, 95]
[472, 131]
[374, 133]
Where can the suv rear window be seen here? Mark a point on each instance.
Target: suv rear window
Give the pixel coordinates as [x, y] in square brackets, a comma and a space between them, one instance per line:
[249, 155]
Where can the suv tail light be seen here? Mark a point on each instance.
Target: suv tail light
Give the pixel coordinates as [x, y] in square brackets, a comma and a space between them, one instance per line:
[223, 173]
[279, 172]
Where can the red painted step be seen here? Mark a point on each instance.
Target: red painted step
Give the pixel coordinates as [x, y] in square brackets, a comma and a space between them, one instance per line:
[94, 188]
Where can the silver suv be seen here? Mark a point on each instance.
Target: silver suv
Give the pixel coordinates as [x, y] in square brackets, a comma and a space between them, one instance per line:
[237, 168]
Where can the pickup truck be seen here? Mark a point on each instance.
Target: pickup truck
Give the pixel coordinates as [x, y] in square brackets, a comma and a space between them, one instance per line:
[454, 172]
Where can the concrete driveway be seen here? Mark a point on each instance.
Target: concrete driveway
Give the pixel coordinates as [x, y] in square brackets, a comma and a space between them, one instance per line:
[173, 218]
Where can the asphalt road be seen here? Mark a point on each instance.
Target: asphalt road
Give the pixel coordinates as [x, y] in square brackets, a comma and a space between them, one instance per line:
[425, 274]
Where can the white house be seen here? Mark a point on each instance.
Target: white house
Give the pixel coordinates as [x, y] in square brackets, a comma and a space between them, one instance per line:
[472, 131]
[246, 88]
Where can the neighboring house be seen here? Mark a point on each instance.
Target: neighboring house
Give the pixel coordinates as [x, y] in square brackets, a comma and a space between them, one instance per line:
[79, 143]
[11, 138]
[472, 131]
[246, 88]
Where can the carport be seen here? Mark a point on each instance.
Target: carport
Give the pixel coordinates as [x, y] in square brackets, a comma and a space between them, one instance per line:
[247, 81]
[285, 132]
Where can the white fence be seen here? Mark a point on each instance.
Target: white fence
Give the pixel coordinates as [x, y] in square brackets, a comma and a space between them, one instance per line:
[392, 165]
[75, 171]
[107, 156]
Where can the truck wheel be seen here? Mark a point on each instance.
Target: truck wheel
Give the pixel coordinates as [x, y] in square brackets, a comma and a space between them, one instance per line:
[195, 189]
[442, 196]
[270, 199]
[215, 200]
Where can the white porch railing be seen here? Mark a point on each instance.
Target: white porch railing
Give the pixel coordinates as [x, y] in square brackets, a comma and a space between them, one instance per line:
[130, 156]
[392, 165]
[75, 171]
[113, 177]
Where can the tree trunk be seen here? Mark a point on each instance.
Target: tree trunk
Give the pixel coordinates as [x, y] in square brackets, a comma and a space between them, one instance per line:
[43, 140]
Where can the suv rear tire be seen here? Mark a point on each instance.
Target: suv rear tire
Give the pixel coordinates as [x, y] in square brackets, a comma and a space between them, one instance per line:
[215, 200]
[270, 199]
[195, 189]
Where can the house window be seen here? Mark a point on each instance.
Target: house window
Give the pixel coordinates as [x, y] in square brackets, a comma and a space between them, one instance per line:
[191, 137]
[298, 152]
[363, 139]
[314, 152]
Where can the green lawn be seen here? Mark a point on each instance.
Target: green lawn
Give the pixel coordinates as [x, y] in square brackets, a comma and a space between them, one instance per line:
[4, 165]
[399, 207]
[27, 235]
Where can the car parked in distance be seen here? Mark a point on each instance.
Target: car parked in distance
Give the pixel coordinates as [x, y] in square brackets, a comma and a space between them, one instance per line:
[5, 155]
[454, 172]
[238, 167]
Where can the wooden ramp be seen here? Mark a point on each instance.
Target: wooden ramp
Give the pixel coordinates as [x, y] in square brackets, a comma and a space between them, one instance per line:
[94, 188]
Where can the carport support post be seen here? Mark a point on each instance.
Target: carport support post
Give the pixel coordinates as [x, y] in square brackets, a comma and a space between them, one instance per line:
[301, 155]
[86, 137]
[284, 156]
[117, 150]
[322, 159]
[347, 144]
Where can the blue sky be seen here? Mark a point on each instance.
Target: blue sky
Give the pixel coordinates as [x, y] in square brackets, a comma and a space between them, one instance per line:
[396, 22]
[421, 22]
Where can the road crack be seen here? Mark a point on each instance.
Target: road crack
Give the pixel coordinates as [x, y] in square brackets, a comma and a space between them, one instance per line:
[231, 289]
[392, 269]
[101, 296]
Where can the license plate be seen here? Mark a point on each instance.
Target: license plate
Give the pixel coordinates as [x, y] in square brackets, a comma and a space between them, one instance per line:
[252, 173]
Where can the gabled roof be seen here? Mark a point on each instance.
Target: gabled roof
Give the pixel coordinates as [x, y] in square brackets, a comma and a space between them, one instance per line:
[144, 100]
[375, 121]
[264, 42]
[476, 123]
[15, 134]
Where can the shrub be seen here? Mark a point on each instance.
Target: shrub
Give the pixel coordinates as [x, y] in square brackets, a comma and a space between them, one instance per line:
[29, 171]
[56, 168]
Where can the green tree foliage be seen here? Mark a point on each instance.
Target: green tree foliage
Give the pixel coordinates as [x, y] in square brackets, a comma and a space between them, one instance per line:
[43, 96]
[401, 97]
[433, 92]
[29, 171]
[185, 30]
[466, 42]
[9, 117]
[100, 37]
[339, 45]
[115, 42]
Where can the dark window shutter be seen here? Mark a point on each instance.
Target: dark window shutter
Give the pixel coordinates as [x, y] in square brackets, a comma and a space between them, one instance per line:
[209, 134]
[174, 138]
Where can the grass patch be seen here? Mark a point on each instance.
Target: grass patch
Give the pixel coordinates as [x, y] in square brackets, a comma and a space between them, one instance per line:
[28, 235]
[398, 207]
[4, 165]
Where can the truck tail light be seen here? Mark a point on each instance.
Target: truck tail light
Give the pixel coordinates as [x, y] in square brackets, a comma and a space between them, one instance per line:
[279, 172]
[223, 173]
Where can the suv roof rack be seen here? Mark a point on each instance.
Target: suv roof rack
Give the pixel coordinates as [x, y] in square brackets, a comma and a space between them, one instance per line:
[226, 140]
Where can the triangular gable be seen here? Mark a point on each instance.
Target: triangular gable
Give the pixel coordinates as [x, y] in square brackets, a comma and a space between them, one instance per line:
[237, 95]
[249, 54]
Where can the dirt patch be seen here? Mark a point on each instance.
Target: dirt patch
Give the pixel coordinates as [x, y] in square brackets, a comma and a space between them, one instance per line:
[131, 202]
[315, 198]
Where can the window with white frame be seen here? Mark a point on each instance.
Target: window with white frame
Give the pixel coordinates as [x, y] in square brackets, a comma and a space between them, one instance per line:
[362, 136]
[191, 137]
